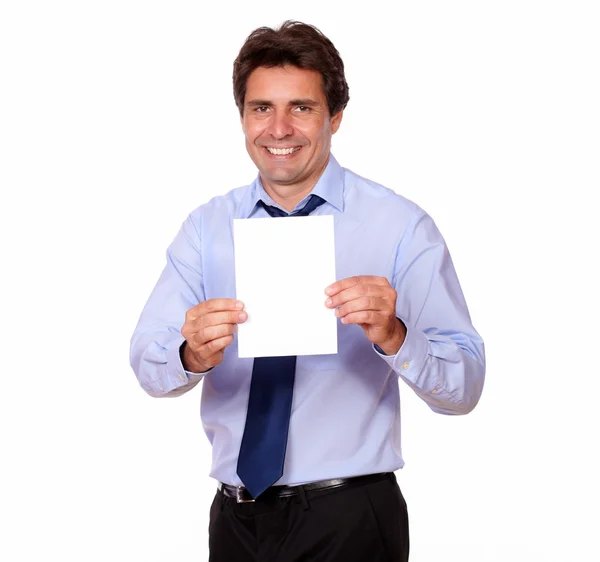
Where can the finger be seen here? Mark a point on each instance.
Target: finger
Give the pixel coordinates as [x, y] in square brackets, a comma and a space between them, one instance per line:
[338, 286]
[356, 292]
[214, 347]
[195, 331]
[198, 339]
[213, 305]
[371, 317]
[216, 318]
[377, 304]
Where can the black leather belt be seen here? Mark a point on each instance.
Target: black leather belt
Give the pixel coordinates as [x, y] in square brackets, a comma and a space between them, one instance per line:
[241, 495]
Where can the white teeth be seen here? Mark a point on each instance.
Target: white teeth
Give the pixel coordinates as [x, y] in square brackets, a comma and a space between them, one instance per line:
[282, 151]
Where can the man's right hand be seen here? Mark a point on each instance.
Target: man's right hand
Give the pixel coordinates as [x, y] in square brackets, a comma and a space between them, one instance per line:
[208, 330]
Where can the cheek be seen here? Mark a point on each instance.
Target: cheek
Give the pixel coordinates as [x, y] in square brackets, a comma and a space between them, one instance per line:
[253, 131]
[308, 128]
[316, 131]
[258, 133]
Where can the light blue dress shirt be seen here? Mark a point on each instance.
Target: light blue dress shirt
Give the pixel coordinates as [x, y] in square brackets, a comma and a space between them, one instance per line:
[346, 408]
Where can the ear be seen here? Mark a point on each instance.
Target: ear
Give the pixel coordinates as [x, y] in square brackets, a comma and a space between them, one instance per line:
[336, 121]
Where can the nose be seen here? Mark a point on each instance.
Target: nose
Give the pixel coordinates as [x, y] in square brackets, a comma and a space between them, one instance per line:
[280, 125]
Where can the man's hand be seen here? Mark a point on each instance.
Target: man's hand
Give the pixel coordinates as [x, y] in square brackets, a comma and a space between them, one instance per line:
[369, 302]
[208, 330]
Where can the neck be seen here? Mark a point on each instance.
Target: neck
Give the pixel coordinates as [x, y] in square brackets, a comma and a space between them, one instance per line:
[287, 201]
[289, 195]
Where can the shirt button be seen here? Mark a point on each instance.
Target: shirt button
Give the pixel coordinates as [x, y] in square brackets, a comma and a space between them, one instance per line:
[161, 388]
[182, 377]
[434, 391]
[405, 365]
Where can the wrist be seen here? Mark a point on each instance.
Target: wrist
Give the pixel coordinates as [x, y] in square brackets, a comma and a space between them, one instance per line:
[190, 361]
[392, 345]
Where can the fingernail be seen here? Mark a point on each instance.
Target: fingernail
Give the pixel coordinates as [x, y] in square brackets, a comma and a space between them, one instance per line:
[328, 302]
[328, 291]
[243, 316]
[239, 305]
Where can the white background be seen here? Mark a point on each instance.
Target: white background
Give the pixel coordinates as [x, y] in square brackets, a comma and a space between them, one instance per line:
[117, 119]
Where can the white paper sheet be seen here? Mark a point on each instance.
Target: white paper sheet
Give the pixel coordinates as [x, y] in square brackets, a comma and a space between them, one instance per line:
[282, 267]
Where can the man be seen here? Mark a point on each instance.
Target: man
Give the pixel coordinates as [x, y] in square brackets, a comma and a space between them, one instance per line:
[305, 449]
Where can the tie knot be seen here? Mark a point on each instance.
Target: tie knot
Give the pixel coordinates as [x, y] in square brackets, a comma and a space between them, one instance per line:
[314, 201]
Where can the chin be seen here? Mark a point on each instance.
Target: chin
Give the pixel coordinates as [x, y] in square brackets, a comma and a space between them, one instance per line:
[280, 177]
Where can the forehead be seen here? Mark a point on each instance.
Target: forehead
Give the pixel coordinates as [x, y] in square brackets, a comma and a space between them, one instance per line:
[280, 84]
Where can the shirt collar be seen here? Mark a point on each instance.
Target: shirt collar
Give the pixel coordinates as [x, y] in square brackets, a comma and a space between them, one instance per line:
[330, 187]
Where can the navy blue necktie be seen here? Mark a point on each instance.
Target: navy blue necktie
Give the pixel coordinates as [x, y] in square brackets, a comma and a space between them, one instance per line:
[262, 452]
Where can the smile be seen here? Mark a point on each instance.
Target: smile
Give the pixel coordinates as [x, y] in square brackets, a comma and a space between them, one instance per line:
[283, 151]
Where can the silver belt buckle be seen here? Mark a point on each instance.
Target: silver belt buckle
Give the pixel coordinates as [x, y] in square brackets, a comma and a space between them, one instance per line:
[238, 496]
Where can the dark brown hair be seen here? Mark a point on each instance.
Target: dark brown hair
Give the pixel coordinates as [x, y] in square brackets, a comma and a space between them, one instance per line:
[297, 44]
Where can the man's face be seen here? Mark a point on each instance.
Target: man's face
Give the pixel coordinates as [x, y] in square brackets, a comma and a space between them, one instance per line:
[287, 126]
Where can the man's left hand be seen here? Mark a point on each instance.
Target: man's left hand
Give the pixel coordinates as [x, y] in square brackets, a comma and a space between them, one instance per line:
[369, 302]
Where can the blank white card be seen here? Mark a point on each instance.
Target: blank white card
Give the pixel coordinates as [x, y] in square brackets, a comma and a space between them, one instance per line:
[282, 267]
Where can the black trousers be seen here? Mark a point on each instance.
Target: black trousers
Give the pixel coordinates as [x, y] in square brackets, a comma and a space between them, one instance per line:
[364, 523]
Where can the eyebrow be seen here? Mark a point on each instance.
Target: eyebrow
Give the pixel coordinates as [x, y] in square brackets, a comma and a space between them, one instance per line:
[306, 101]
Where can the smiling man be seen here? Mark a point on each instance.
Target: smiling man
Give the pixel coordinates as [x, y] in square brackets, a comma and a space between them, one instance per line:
[305, 448]
[288, 130]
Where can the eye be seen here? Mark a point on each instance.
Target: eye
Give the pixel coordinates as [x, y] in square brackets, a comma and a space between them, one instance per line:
[303, 109]
[261, 109]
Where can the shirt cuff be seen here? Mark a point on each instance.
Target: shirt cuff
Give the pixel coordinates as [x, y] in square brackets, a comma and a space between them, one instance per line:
[411, 357]
[174, 375]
